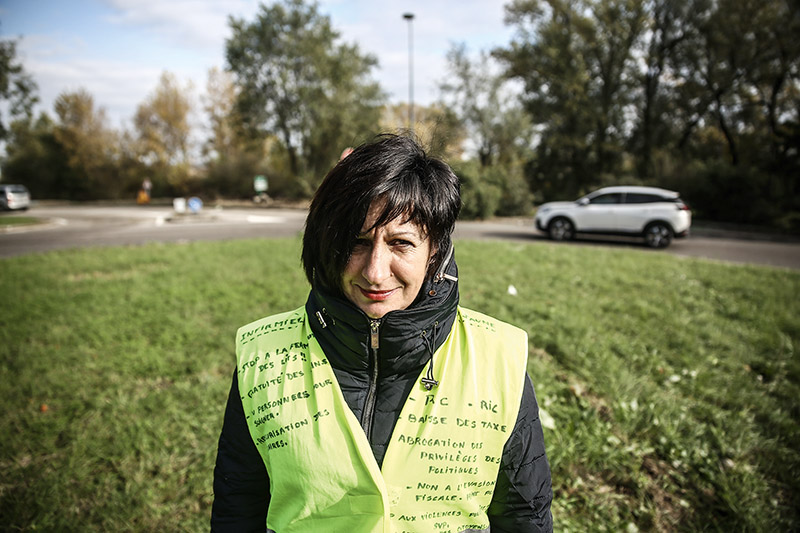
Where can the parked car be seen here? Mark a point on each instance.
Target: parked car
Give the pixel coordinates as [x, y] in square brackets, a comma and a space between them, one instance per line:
[656, 214]
[14, 197]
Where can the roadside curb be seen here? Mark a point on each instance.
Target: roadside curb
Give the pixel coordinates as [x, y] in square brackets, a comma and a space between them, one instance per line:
[46, 223]
[706, 230]
[190, 218]
[716, 232]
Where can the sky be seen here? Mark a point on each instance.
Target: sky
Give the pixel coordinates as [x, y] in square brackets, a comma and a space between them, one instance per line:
[118, 49]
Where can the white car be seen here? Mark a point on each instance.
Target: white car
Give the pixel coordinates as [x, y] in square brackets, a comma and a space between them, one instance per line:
[656, 214]
[14, 197]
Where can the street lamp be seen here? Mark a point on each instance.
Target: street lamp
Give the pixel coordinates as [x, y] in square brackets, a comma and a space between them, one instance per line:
[410, 17]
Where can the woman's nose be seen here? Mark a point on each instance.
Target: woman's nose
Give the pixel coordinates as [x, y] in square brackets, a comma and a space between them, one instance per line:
[378, 265]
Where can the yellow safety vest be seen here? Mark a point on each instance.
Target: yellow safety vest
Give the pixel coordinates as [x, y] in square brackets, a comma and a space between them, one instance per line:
[440, 467]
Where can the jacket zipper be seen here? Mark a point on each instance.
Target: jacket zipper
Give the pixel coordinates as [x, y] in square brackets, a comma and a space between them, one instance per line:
[369, 406]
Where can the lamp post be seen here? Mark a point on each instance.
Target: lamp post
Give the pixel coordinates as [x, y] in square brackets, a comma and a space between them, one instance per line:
[410, 17]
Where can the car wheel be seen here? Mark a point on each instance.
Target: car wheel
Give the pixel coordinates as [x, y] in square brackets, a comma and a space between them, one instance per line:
[561, 229]
[658, 235]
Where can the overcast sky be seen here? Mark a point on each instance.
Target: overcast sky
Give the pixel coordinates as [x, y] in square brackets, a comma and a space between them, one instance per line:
[117, 49]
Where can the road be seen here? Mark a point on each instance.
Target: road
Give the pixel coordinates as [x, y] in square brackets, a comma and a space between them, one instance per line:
[79, 226]
[82, 226]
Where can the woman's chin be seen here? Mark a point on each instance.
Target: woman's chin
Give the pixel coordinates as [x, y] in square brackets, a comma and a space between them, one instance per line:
[375, 309]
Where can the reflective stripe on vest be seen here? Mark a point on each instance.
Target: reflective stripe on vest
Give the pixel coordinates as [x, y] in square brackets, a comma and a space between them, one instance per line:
[441, 464]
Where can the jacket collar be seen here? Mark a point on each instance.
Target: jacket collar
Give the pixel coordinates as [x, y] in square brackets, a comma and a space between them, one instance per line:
[407, 337]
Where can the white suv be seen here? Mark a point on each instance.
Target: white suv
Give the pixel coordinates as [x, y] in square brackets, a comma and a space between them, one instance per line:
[14, 197]
[656, 214]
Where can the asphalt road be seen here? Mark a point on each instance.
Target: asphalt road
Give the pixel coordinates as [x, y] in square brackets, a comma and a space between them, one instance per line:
[85, 226]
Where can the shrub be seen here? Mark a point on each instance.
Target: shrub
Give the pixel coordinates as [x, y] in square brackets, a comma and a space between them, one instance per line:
[726, 193]
[492, 191]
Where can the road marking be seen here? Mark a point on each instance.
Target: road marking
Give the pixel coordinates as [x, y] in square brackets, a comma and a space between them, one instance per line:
[262, 219]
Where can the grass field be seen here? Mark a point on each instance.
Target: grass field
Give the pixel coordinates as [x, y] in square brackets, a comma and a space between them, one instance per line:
[9, 220]
[670, 387]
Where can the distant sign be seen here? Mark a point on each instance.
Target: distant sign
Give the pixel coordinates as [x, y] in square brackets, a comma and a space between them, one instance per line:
[260, 184]
[179, 204]
[195, 204]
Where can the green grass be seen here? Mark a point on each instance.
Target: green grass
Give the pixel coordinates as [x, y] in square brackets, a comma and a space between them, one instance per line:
[17, 221]
[671, 385]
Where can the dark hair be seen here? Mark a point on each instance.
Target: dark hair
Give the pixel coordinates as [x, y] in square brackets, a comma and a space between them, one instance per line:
[394, 169]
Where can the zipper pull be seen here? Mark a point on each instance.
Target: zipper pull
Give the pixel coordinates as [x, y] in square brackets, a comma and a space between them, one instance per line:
[373, 333]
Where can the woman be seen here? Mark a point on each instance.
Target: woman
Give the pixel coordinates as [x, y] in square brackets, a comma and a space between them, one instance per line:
[381, 405]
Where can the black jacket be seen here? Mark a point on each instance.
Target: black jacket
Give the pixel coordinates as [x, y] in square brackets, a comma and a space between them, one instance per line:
[375, 391]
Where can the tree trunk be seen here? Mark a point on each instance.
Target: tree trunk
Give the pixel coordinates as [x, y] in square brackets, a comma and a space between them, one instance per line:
[290, 150]
[732, 148]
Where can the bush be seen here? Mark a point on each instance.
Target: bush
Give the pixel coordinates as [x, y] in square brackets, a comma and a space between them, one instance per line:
[232, 178]
[492, 191]
[479, 197]
[725, 193]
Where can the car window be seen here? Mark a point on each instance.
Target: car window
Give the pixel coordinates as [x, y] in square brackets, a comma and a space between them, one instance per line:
[603, 199]
[642, 198]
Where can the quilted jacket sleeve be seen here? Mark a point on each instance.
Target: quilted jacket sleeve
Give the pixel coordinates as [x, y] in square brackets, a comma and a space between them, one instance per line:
[523, 493]
[241, 485]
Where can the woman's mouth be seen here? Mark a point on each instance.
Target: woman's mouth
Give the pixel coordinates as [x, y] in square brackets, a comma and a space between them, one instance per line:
[377, 296]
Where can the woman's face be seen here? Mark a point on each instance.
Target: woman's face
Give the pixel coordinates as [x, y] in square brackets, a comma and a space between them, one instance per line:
[387, 266]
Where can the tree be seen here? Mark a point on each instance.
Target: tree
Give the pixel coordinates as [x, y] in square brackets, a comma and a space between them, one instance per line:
[162, 126]
[668, 26]
[17, 88]
[90, 147]
[499, 133]
[436, 127]
[219, 104]
[773, 88]
[232, 159]
[497, 127]
[575, 59]
[297, 82]
[698, 95]
[736, 104]
[36, 159]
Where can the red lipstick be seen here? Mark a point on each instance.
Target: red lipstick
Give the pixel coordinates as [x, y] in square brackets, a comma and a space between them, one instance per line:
[377, 296]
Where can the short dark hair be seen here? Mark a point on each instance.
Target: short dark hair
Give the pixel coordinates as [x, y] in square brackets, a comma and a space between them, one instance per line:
[396, 170]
